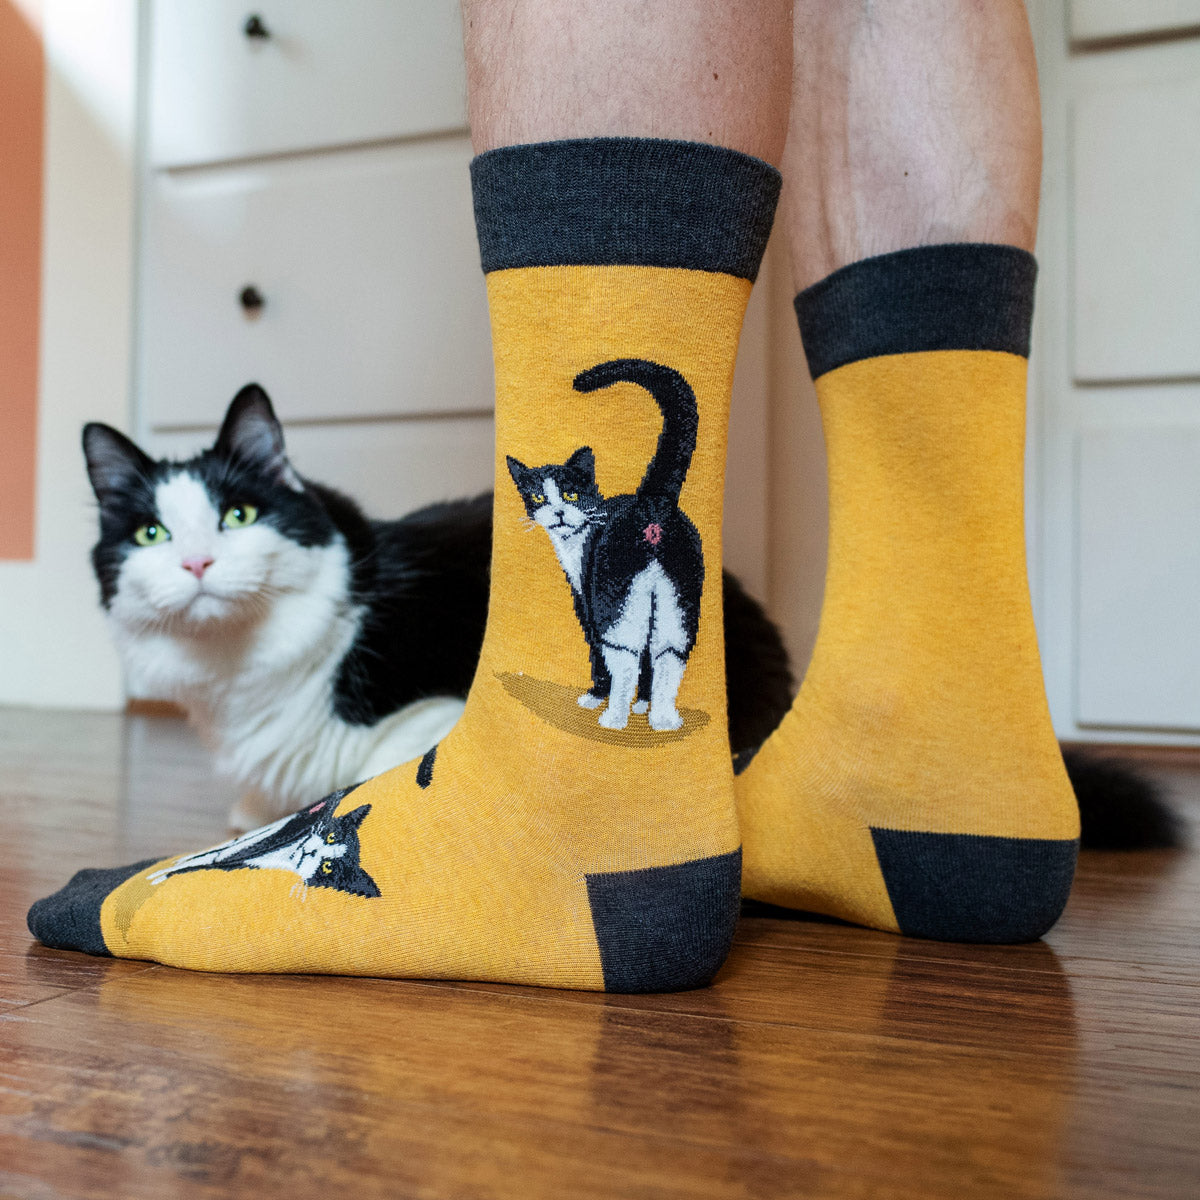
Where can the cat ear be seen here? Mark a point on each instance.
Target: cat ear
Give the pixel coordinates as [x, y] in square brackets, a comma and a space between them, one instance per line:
[114, 463]
[358, 883]
[517, 469]
[583, 460]
[251, 434]
[355, 818]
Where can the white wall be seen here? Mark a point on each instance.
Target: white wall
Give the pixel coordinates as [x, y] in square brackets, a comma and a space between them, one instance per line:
[54, 648]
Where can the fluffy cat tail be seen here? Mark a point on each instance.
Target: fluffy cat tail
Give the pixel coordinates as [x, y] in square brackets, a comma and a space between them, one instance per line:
[667, 469]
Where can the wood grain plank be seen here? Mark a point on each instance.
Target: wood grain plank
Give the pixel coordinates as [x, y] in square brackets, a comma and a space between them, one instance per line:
[825, 1061]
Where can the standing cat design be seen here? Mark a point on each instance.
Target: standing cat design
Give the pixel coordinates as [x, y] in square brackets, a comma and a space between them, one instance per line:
[318, 847]
[634, 563]
[310, 645]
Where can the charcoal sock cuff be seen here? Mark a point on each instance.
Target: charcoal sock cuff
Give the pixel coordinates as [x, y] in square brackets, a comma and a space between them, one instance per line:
[623, 202]
[958, 296]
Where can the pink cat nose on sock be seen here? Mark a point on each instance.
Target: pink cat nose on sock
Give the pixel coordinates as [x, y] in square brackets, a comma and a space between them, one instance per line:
[197, 564]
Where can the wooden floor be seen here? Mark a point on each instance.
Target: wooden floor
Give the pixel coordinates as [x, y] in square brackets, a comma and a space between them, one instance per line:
[826, 1061]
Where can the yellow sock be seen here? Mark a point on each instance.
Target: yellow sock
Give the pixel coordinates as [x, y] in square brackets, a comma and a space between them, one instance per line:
[577, 827]
[917, 785]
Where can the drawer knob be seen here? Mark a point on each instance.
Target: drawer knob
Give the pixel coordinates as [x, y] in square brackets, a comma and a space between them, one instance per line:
[251, 298]
[254, 27]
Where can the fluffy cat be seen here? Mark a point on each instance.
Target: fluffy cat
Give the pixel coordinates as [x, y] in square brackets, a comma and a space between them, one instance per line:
[309, 645]
[634, 563]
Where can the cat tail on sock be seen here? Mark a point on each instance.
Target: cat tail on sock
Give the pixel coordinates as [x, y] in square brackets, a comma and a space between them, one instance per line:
[667, 469]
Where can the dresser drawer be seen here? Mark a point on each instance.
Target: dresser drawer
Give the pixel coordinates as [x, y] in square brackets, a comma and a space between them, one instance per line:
[1136, 208]
[1139, 574]
[325, 74]
[368, 269]
[1099, 19]
[388, 467]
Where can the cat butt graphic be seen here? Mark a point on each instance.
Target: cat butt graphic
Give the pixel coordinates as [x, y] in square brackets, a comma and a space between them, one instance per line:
[635, 563]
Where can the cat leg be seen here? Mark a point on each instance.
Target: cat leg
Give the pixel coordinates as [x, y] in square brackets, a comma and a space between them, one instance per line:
[642, 704]
[623, 667]
[597, 694]
[668, 675]
[669, 644]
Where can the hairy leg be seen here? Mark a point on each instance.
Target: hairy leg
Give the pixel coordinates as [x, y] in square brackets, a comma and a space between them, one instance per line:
[704, 70]
[914, 122]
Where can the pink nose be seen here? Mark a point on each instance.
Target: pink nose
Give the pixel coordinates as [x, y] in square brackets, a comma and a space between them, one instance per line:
[197, 564]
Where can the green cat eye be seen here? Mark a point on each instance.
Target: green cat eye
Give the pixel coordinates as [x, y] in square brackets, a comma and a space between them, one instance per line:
[152, 534]
[238, 516]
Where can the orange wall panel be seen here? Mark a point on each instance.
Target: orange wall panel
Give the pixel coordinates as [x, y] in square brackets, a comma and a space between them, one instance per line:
[22, 111]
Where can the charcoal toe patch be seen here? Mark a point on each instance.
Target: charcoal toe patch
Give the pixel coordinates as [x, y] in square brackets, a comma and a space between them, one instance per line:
[70, 919]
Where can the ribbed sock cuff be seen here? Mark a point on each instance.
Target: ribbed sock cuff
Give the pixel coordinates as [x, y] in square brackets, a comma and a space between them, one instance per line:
[623, 202]
[958, 296]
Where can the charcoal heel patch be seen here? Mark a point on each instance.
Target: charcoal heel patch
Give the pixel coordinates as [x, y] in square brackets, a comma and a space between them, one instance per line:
[965, 887]
[666, 929]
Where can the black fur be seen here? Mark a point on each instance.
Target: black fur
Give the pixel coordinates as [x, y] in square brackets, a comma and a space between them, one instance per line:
[1119, 807]
[423, 583]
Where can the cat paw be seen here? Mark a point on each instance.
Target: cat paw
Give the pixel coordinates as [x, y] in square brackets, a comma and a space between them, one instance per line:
[614, 718]
[641, 706]
[587, 700]
[665, 720]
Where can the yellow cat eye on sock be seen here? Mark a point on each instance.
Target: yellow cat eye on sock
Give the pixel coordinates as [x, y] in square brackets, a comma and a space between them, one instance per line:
[917, 784]
[577, 827]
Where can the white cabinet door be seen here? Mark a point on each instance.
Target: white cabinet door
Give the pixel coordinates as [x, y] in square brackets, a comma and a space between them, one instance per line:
[1139, 578]
[1117, 361]
[1136, 159]
[368, 268]
[324, 74]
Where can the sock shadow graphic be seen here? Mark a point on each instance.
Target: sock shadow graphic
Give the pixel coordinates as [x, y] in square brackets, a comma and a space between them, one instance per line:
[557, 705]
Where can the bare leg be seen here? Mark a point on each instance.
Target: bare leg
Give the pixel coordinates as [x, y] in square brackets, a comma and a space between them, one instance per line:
[708, 71]
[914, 122]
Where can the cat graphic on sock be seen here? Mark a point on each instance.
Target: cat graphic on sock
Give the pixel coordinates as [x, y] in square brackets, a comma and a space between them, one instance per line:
[634, 563]
[319, 847]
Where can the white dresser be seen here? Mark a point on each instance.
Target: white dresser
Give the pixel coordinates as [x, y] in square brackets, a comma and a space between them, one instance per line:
[1117, 356]
[306, 223]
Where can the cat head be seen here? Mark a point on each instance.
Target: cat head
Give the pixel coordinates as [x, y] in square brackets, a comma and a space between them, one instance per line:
[190, 546]
[334, 863]
[561, 498]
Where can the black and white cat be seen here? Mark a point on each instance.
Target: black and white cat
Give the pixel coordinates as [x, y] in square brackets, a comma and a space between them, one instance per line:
[321, 849]
[634, 563]
[310, 645]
